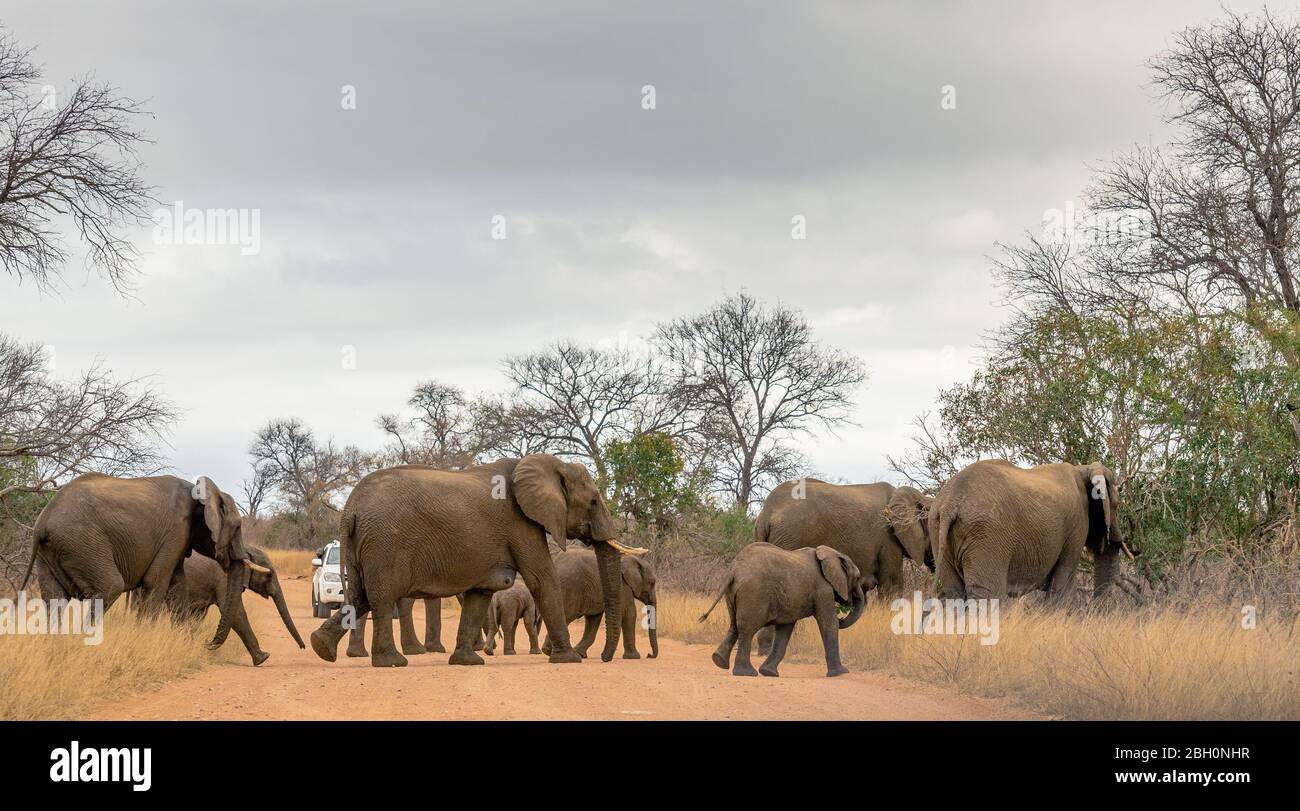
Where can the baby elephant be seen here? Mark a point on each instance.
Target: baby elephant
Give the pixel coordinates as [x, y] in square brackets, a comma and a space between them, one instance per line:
[507, 608]
[768, 585]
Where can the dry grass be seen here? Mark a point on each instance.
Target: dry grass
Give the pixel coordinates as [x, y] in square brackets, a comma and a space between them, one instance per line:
[1151, 663]
[59, 677]
[291, 562]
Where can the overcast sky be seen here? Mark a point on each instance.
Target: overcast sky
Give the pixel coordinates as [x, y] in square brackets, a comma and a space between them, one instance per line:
[375, 222]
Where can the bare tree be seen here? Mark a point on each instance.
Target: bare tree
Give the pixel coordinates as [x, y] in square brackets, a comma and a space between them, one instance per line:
[758, 371]
[52, 430]
[578, 399]
[505, 427]
[256, 489]
[307, 474]
[441, 432]
[72, 157]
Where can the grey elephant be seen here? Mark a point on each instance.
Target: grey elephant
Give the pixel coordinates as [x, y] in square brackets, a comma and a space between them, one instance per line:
[768, 585]
[409, 641]
[1002, 530]
[876, 525]
[580, 582]
[417, 531]
[508, 608]
[205, 586]
[101, 536]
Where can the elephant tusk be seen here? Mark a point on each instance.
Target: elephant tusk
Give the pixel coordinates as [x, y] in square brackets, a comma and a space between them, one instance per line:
[1127, 551]
[257, 568]
[636, 551]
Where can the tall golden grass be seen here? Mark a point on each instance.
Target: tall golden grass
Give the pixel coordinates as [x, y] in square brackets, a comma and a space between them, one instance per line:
[57, 677]
[1144, 664]
[291, 562]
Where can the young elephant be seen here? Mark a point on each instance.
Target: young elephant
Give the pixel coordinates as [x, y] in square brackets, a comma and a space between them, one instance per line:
[508, 607]
[205, 586]
[580, 584]
[768, 585]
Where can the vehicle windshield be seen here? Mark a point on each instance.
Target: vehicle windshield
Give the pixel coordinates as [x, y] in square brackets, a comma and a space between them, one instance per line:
[332, 555]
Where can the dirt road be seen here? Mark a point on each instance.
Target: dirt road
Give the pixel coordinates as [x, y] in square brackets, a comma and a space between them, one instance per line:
[682, 684]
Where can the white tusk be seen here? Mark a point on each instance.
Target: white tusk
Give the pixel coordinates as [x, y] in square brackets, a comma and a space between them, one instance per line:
[255, 567]
[628, 550]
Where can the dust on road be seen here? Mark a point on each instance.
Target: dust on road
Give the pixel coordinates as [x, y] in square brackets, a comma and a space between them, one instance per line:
[682, 684]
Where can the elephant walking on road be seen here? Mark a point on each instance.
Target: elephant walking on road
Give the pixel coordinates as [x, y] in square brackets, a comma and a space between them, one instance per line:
[507, 609]
[205, 586]
[101, 536]
[580, 583]
[1002, 530]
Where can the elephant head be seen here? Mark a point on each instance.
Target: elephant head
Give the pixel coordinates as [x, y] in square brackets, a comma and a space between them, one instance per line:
[908, 516]
[845, 579]
[262, 580]
[640, 578]
[564, 499]
[1104, 537]
[222, 521]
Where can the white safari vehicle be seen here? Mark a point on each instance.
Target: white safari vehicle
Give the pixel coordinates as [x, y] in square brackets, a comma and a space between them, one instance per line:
[326, 580]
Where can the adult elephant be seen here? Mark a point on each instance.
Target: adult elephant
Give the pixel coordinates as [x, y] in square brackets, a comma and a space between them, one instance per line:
[1002, 530]
[580, 582]
[410, 641]
[875, 525]
[417, 531]
[101, 536]
[205, 586]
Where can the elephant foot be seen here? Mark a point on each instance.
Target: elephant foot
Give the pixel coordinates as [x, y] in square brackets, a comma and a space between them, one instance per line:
[568, 657]
[436, 647]
[390, 659]
[509, 653]
[413, 649]
[534, 650]
[357, 652]
[743, 670]
[582, 652]
[838, 670]
[768, 670]
[259, 657]
[631, 654]
[325, 648]
[465, 657]
[720, 660]
[489, 651]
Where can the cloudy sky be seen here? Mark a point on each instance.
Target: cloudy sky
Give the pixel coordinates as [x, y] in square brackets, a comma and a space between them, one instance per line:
[375, 222]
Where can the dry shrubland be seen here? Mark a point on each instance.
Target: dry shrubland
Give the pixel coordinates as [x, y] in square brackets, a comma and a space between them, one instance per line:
[1134, 662]
[59, 677]
[291, 563]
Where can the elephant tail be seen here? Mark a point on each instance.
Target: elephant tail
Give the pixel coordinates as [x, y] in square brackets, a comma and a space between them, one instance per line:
[942, 522]
[38, 538]
[353, 586]
[721, 593]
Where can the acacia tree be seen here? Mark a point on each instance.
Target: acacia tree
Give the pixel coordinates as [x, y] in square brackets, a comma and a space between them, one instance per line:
[306, 474]
[66, 156]
[440, 432]
[758, 376]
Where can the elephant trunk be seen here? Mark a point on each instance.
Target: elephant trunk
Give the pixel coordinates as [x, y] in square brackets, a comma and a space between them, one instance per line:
[277, 594]
[609, 563]
[859, 603]
[1103, 569]
[653, 630]
[236, 580]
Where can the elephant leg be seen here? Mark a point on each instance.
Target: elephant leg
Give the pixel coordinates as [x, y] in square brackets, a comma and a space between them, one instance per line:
[325, 639]
[743, 666]
[405, 619]
[509, 636]
[239, 622]
[433, 625]
[357, 638]
[763, 646]
[383, 653]
[722, 656]
[530, 628]
[535, 566]
[951, 584]
[589, 628]
[829, 625]
[780, 639]
[1060, 583]
[472, 613]
[629, 625]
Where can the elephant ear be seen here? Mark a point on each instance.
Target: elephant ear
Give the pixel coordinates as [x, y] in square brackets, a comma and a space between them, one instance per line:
[1103, 503]
[908, 514]
[222, 519]
[539, 490]
[832, 564]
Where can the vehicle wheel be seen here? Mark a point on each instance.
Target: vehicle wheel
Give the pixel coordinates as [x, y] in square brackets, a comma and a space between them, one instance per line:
[319, 610]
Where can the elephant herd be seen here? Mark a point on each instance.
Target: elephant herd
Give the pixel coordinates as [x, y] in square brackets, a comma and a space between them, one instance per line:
[480, 534]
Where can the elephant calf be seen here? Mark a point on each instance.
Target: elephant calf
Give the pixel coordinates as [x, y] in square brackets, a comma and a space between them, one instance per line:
[768, 585]
[583, 597]
[508, 607]
[205, 586]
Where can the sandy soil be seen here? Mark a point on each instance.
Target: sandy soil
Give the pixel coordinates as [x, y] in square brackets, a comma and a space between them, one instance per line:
[682, 684]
